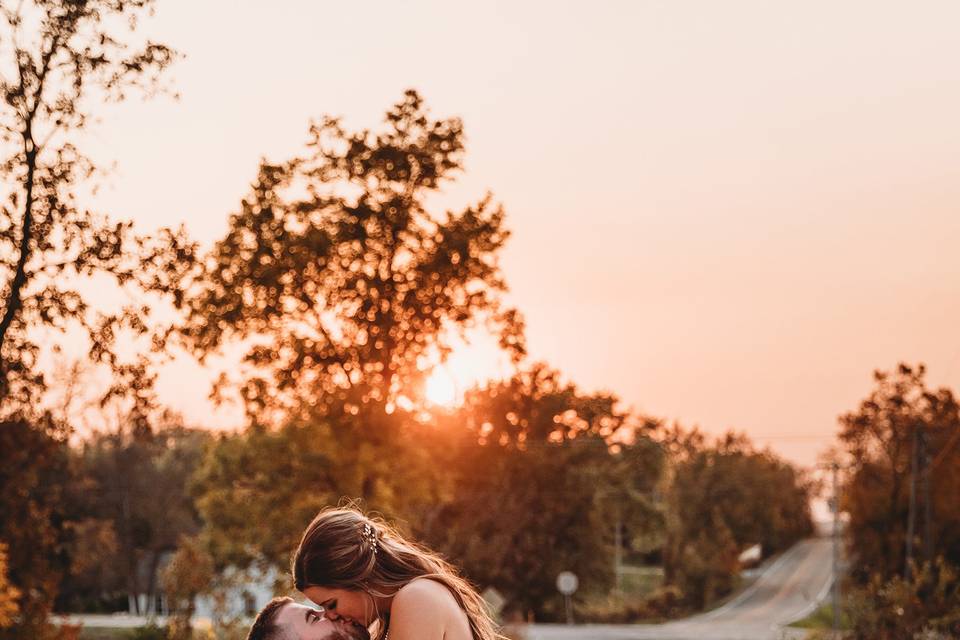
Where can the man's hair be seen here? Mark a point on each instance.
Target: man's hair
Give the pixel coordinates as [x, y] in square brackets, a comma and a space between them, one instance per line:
[265, 625]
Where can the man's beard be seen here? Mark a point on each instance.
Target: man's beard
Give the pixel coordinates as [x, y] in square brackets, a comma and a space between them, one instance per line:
[351, 631]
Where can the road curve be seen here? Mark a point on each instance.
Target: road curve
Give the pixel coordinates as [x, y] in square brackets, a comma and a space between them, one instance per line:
[787, 590]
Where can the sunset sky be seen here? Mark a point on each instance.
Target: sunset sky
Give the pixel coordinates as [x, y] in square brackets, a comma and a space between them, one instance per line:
[727, 213]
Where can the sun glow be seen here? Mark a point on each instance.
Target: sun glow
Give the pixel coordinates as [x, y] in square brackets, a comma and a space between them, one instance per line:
[468, 365]
[441, 388]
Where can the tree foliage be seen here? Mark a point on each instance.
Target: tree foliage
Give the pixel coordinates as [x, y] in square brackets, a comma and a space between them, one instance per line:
[189, 574]
[343, 285]
[721, 499]
[33, 476]
[257, 489]
[561, 467]
[9, 594]
[58, 59]
[879, 438]
[132, 495]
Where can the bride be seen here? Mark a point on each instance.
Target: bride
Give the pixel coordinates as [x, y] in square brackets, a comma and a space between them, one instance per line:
[363, 571]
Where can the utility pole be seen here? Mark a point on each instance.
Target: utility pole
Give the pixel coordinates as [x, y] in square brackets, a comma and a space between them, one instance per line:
[618, 551]
[927, 503]
[912, 511]
[836, 550]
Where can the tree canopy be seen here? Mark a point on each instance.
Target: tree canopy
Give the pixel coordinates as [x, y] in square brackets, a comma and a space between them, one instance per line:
[59, 59]
[337, 278]
[722, 498]
[900, 422]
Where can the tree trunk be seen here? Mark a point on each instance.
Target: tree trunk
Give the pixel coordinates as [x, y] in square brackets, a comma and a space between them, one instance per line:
[15, 299]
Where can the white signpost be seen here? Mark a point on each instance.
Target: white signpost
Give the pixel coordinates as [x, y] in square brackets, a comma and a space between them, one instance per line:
[567, 584]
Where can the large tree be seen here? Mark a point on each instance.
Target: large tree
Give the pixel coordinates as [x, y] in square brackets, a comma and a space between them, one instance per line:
[342, 288]
[539, 480]
[59, 59]
[337, 278]
[903, 432]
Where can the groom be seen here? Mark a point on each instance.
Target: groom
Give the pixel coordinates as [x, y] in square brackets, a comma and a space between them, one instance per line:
[284, 619]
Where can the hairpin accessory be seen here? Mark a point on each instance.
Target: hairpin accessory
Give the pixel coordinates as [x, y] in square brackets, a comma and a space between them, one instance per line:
[370, 534]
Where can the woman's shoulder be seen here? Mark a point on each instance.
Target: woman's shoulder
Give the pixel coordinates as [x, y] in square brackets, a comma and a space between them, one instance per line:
[426, 610]
[425, 591]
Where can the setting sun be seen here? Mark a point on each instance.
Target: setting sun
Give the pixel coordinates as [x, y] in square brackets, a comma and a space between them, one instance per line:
[441, 388]
[471, 363]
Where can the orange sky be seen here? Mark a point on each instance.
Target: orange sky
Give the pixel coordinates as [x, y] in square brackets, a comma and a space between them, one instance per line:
[728, 213]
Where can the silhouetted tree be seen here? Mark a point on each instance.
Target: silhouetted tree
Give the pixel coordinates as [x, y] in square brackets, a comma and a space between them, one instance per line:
[340, 281]
[60, 58]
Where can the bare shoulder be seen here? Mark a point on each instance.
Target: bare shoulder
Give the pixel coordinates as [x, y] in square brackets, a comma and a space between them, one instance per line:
[424, 609]
[425, 592]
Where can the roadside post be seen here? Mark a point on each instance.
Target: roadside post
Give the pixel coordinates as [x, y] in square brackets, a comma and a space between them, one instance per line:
[835, 468]
[567, 584]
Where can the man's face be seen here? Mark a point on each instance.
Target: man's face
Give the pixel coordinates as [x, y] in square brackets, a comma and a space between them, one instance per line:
[306, 623]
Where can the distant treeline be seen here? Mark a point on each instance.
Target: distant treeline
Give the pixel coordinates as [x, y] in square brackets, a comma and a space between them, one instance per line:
[512, 509]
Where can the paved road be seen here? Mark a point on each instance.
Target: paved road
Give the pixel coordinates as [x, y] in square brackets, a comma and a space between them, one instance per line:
[786, 591]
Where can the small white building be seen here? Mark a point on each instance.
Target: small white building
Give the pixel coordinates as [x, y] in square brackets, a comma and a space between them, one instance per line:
[247, 592]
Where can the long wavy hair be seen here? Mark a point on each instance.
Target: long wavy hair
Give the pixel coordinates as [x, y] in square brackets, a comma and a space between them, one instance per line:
[345, 549]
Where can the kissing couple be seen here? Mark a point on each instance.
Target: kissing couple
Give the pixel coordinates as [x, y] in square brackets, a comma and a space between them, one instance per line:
[367, 582]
